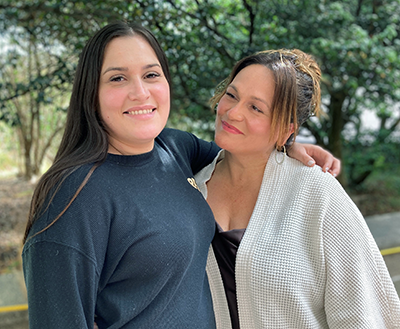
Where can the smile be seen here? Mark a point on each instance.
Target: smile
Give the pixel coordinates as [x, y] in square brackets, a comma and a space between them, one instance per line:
[231, 129]
[138, 112]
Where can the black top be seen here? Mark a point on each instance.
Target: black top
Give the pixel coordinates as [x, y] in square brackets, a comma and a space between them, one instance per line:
[131, 248]
[225, 245]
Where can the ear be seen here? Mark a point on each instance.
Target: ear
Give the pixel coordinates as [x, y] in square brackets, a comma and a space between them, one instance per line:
[287, 135]
[291, 130]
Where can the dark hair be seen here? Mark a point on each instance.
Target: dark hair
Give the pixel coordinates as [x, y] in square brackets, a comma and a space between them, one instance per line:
[85, 140]
[297, 94]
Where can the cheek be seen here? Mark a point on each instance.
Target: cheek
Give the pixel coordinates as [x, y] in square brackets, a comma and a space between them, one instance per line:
[162, 94]
[116, 97]
[222, 106]
[110, 100]
[219, 114]
[262, 128]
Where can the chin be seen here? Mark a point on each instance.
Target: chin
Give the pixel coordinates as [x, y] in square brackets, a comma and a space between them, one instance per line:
[222, 142]
[152, 130]
[148, 135]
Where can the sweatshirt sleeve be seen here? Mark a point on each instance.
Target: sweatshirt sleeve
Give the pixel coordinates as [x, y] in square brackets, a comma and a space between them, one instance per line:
[193, 152]
[359, 291]
[62, 286]
[203, 153]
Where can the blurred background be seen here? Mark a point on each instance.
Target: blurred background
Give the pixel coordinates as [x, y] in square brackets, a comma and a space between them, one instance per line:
[356, 42]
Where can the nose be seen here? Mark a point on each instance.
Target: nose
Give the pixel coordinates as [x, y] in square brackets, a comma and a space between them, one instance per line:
[138, 91]
[235, 113]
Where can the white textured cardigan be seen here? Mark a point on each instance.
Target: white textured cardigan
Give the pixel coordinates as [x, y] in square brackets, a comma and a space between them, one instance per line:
[307, 258]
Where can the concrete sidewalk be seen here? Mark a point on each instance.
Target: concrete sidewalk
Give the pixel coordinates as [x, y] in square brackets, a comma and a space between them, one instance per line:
[384, 228]
[12, 292]
[386, 232]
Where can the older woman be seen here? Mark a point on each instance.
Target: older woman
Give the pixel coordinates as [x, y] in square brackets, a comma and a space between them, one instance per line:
[291, 249]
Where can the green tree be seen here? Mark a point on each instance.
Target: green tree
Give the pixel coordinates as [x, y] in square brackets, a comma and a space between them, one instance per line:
[355, 41]
[34, 109]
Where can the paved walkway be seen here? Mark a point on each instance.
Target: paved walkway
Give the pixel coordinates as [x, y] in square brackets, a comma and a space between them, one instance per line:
[386, 232]
[13, 295]
[384, 228]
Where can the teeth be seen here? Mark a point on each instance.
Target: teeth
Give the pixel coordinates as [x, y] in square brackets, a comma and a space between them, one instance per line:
[140, 112]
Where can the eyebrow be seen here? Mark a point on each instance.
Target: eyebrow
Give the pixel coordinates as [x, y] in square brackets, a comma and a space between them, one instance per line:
[123, 69]
[253, 97]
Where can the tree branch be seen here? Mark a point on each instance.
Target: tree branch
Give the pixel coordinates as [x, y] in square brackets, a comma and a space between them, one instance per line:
[252, 19]
[358, 11]
[202, 19]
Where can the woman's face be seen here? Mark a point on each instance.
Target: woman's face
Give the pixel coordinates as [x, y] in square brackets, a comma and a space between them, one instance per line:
[133, 94]
[244, 113]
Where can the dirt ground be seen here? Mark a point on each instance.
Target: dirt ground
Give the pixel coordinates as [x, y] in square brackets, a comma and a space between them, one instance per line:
[15, 195]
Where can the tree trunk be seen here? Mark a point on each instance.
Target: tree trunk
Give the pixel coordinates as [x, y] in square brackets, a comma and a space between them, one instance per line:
[335, 133]
[27, 160]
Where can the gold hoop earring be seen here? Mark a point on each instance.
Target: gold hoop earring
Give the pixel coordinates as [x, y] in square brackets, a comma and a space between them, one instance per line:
[279, 162]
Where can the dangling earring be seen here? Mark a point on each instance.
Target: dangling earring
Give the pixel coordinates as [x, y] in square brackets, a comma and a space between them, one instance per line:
[279, 162]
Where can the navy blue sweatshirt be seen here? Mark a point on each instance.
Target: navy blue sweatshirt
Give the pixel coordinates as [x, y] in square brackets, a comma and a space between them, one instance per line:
[131, 249]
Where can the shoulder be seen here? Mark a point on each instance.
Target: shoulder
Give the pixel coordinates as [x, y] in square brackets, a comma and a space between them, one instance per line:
[310, 197]
[309, 184]
[299, 174]
[74, 210]
[183, 139]
[177, 141]
[170, 135]
[188, 148]
[324, 194]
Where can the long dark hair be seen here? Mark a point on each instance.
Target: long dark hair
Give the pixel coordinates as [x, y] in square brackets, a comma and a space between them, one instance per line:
[85, 139]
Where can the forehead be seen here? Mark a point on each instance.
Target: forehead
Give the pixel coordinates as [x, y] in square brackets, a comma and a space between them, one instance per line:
[256, 71]
[255, 79]
[129, 49]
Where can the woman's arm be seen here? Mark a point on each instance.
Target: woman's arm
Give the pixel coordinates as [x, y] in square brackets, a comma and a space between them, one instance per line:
[61, 286]
[200, 153]
[359, 292]
[60, 263]
[310, 155]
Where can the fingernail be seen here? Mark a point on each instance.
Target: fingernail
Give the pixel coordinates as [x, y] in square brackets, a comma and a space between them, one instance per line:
[334, 175]
[310, 163]
[326, 169]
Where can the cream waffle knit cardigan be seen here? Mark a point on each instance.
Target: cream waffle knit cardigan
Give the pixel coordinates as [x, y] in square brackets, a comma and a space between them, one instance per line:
[307, 258]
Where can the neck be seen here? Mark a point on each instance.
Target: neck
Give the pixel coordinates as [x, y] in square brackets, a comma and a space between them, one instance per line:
[242, 170]
[123, 149]
[113, 150]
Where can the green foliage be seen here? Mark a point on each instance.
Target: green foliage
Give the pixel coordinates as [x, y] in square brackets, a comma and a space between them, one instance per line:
[380, 193]
[368, 153]
[356, 43]
[32, 96]
[8, 159]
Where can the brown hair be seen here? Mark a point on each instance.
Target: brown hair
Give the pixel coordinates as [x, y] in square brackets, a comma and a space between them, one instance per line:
[297, 94]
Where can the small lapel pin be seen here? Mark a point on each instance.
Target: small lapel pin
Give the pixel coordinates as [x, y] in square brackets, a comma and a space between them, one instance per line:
[193, 183]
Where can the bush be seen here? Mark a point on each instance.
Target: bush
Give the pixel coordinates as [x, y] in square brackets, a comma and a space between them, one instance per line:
[379, 194]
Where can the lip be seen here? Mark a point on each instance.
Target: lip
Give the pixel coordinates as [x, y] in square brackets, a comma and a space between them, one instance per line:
[230, 129]
[144, 111]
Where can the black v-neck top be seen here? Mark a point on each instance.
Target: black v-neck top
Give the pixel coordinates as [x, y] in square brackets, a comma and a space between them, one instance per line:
[225, 245]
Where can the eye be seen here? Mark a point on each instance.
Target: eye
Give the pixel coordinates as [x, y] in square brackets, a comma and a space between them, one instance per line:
[152, 75]
[230, 95]
[255, 108]
[117, 78]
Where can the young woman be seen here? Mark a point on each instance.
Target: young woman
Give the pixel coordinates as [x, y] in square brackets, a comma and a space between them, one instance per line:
[118, 231]
[291, 249]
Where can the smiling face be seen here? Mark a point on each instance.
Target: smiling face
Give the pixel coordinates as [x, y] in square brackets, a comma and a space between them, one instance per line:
[134, 95]
[244, 113]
